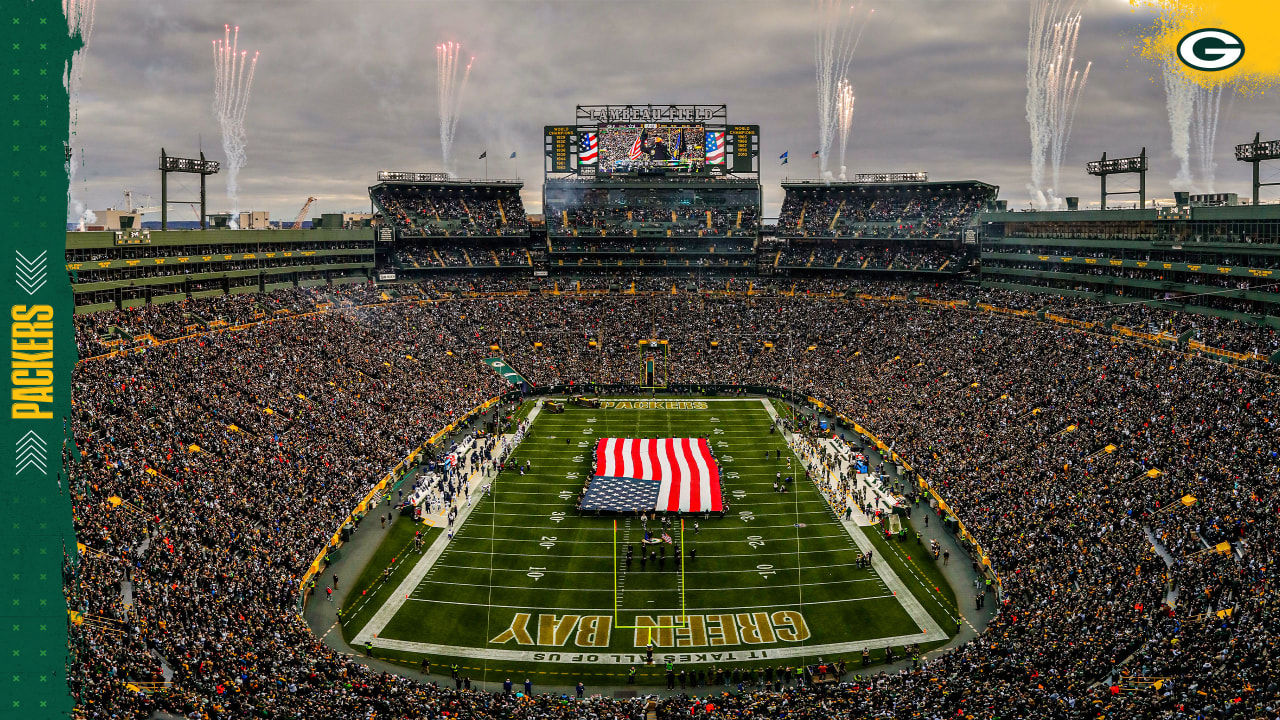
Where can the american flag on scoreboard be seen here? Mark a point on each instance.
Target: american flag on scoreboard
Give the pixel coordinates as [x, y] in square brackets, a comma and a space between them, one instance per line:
[587, 153]
[665, 474]
[715, 148]
[636, 146]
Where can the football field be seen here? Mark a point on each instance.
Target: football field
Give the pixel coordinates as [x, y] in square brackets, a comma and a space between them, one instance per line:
[527, 580]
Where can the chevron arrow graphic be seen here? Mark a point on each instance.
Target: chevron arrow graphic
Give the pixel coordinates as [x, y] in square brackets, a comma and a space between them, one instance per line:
[32, 452]
[32, 273]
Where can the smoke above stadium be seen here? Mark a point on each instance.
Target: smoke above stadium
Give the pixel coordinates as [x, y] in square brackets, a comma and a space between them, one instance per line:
[839, 31]
[449, 92]
[232, 82]
[1193, 121]
[940, 87]
[79, 14]
[1054, 86]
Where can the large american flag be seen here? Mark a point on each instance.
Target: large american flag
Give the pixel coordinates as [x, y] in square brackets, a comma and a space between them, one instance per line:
[587, 153]
[665, 474]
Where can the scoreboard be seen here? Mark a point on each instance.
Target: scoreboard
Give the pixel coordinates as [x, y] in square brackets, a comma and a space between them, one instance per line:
[580, 149]
[561, 146]
[743, 148]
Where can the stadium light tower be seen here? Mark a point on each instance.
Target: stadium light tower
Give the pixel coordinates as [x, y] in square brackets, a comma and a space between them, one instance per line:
[1119, 166]
[203, 168]
[1255, 152]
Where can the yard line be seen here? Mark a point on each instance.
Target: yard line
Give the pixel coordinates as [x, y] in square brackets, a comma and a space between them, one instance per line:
[745, 526]
[609, 557]
[610, 542]
[594, 610]
[548, 588]
[846, 566]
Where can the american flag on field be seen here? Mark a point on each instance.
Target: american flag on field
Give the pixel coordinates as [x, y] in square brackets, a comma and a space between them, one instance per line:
[665, 474]
[667, 539]
[634, 152]
[621, 494]
[587, 153]
[715, 148]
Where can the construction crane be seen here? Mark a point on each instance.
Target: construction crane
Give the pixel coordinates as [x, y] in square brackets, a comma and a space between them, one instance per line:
[297, 224]
[143, 210]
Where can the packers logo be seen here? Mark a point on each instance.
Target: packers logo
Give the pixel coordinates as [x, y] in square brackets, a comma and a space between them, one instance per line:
[1210, 49]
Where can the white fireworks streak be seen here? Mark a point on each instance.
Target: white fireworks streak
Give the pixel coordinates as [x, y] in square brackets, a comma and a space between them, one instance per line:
[231, 87]
[79, 14]
[844, 119]
[838, 33]
[1193, 119]
[449, 91]
[1054, 87]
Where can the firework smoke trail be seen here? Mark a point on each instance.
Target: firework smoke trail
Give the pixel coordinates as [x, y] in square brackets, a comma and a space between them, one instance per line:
[231, 87]
[838, 34]
[79, 14]
[844, 119]
[449, 92]
[1193, 125]
[1204, 124]
[1179, 99]
[1054, 87]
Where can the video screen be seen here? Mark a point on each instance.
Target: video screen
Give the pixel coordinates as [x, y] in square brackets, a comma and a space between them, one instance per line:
[651, 146]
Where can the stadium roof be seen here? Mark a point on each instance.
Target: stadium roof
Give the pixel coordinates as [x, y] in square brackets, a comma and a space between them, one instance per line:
[817, 183]
[1225, 212]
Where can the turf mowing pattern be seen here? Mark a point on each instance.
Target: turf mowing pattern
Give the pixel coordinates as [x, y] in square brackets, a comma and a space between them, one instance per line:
[526, 573]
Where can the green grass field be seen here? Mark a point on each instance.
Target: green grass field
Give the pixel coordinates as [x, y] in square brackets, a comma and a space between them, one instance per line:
[526, 581]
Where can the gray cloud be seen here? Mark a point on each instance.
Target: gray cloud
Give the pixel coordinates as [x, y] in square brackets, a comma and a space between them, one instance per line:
[344, 89]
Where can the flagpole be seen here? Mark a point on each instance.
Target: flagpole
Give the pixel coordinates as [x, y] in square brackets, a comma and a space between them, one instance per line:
[486, 166]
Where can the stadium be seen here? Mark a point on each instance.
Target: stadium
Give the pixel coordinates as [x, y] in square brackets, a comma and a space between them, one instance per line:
[663, 433]
[897, 452]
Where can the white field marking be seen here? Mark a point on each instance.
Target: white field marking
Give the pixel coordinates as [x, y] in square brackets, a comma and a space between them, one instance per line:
[676, 609]
[687, 572]
[610, 529]
[610, 557]
[771, 586]
[549, 502]
[610, 542]
[677, 399]
[608, 657]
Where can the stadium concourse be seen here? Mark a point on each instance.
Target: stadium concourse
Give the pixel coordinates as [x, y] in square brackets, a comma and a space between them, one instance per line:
[1128, 496]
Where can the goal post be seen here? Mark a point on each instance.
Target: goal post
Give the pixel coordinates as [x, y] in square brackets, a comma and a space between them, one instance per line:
[654, 360]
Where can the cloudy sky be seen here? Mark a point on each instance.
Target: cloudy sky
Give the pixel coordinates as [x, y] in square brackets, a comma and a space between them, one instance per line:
[344, 89]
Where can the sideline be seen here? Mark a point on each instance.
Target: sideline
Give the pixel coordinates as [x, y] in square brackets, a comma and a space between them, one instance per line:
[428, 560]
[906, 598]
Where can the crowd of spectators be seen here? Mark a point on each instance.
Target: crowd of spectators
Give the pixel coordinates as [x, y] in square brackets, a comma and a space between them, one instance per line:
[634, 211]
[1104, 570]
[648, 245]
[1147, 316]
[890, 258]
[454, 211]
[905, 211]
